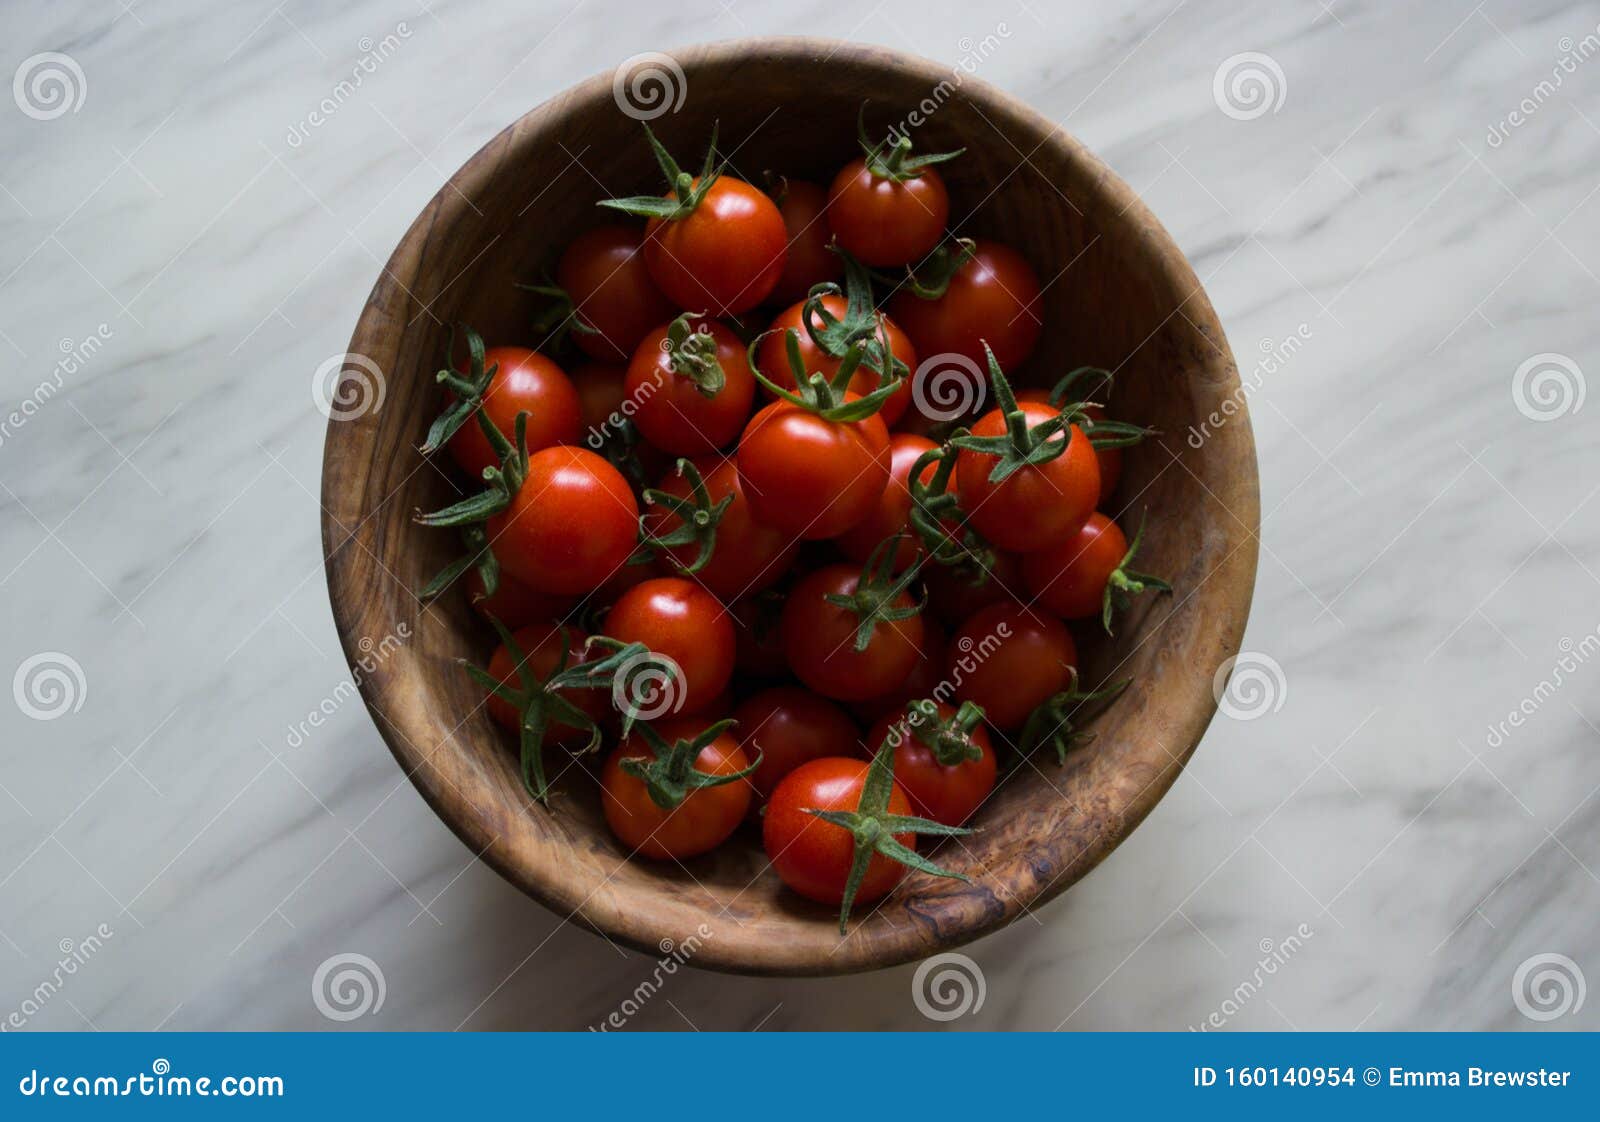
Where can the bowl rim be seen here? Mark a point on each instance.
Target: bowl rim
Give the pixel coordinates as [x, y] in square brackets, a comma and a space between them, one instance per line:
[611, 917]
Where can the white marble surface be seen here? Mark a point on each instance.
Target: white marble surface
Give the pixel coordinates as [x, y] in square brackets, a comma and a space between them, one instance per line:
[1427, 548]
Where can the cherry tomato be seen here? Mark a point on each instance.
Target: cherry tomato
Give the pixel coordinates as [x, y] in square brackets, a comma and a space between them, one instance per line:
[679, 619]
[773, 360]
[1038, 505]
[527, 382]
[893, 515]
[994, 296]
[670, 410]
[1070, 579]
[604, 273]
[1010, 660]
[811, 477]
[944, 792]
[925, 680]
[542, 646]
[819, 638]
[571, 525]
[748, 556]
[701, 822]
[722, 258]
[808, 261]
[787, 726]
[813, 857]
[514, 604]
[955, 597]
[600, 392]
[883, 221]
[1109, 459]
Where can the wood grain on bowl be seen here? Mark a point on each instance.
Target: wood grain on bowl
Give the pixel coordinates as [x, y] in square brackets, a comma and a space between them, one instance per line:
[1118, 293]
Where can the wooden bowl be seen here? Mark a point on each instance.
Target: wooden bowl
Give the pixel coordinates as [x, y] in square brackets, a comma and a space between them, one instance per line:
[1118, 294]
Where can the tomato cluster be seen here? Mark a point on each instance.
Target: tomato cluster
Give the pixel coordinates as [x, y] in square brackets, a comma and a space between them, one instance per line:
[725, 543]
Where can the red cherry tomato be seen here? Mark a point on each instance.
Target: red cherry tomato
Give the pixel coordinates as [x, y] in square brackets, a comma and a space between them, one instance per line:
[748, 556]
[670, 410]
[955, 597]
[787, 726]
[542, 646]
[813, 857]
[679, 619]
[527, 382]
[893, 515]
[515, 604]
[808, 261]
[819, 639]
[1070, 579]
[1038, 505]
[994, 296]
[722, 258]
[773, 360]
[701, 822]
[600, 392]
[571, 525]
[885, 222]
[925, 680]
[811, 477]
[944, 792]
[1109, 459]
[1010, 660]
[604, 273]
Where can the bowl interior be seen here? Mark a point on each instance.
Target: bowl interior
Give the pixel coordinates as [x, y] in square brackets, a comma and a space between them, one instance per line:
[1118, 294]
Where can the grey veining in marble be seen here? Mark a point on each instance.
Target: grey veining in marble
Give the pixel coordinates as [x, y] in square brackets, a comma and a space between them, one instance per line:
[1413, 199]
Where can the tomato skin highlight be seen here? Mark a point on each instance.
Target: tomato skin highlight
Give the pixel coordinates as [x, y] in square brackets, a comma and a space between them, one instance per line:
[725, 256]
[571, 525]
[542, 645]
[528, 382]
[948, 793]
[671, 412]
[893, 515]
[1009, 660]
[514, 603]
[748, 556]
[603, 270]
[787, 726]
[819, 639]
[1038, 505]
[1070, 579]
[811, 477]
[808, 260]
[701, 822]
[679, 619]
[885, 222]
[993, 297]
[813, 857]
[773, 359]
